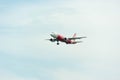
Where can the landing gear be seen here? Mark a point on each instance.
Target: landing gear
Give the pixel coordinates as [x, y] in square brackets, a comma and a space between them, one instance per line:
[57, 42]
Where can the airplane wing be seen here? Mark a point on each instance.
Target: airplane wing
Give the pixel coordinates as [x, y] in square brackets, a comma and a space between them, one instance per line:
[76, 38]
[52, 40]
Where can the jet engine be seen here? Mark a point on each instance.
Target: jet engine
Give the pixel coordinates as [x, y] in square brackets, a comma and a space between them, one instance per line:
[65, 38]
[52, 40]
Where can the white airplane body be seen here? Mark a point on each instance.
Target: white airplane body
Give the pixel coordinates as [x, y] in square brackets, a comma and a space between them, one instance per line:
[58, 37]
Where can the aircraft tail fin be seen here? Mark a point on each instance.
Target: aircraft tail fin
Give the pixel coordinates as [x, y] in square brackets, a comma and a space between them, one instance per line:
[74, 35]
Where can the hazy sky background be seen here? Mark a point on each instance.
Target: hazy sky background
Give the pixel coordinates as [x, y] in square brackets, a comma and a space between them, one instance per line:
[25, 55]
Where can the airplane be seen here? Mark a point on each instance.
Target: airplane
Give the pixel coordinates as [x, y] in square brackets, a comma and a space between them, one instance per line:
[59, 37]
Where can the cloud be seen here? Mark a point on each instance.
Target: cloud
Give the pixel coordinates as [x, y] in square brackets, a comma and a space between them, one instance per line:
[35, 19]
[26, 26]
[63, 74]
[5, 75]
[66, 74]
[62, 15]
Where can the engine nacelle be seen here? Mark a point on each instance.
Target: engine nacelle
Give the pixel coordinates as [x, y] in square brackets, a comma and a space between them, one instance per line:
[52, 40]
[65, 38]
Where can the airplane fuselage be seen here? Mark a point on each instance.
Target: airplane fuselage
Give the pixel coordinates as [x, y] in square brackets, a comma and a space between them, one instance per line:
[58, 37]
[61, 38]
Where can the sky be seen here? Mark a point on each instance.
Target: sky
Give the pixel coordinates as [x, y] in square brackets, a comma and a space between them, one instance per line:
[26, 55]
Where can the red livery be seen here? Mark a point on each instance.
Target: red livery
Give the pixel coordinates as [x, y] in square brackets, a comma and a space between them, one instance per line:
[58, 37]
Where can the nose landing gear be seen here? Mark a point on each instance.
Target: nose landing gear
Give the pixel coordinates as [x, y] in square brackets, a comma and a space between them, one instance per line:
[57, 42]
